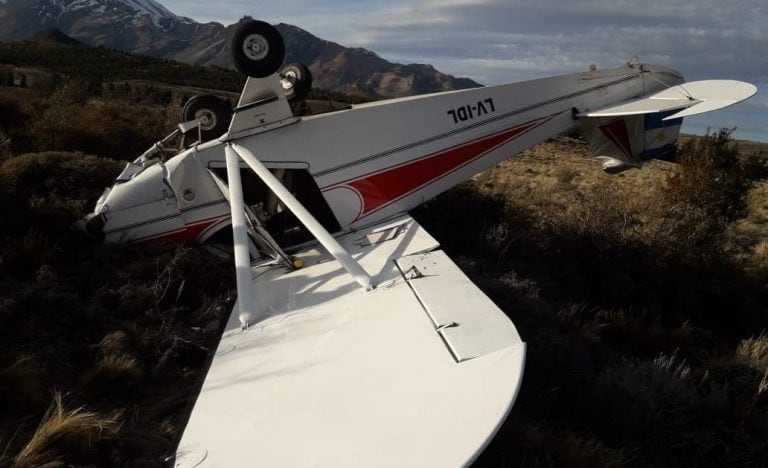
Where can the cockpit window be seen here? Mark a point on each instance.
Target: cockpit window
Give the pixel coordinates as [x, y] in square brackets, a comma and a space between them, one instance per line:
[282, 225]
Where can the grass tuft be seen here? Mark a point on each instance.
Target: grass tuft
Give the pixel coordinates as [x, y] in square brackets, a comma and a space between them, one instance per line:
[754, 352]
[21, 385]
[112, 375]
[68, 437]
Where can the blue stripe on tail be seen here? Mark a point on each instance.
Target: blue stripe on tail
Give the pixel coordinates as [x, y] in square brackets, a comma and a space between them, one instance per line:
[654, 121]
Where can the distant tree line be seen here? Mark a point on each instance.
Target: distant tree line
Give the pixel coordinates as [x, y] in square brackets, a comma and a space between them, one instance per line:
[101, 65]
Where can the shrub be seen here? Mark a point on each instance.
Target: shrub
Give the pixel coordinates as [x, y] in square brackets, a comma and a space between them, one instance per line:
[5, 146]
[534, 445]
[565, 174]
[110, 129]
[711, 175]
[754, 352]
[112, 375]
[644, 400]
[54, 188]
[761, 254]
[21, 385]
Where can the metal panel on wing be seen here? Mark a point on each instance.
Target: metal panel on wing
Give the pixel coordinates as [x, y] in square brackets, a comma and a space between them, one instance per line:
[470, 324]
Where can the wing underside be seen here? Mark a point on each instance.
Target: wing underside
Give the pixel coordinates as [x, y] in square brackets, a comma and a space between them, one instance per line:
[419, 372]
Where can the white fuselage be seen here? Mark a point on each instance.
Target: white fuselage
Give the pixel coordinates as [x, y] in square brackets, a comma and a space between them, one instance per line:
[372, 161]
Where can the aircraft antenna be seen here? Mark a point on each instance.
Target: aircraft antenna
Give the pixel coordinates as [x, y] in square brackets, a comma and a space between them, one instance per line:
[634, 60]
[679, 88]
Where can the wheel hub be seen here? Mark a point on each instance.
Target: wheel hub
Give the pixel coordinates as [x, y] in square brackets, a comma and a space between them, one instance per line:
[288, 80]
[207, 119]
[255, 47]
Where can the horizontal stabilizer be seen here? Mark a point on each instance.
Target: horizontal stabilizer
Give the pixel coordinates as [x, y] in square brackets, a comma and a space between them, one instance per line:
[646, 105]
[693, 98]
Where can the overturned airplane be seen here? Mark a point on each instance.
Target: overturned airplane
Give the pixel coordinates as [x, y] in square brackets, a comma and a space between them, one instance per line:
[355, 339]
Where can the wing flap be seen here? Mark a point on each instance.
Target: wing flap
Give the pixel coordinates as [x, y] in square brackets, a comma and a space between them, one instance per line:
[468, 321]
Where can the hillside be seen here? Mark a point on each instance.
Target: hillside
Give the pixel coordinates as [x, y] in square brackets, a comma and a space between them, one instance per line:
[98, 65]
[641, 296]
[145, 27]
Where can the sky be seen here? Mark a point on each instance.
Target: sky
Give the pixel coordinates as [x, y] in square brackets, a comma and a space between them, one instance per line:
[500, 41]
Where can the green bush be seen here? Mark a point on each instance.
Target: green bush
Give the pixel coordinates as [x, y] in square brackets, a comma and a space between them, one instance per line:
[711, 176]
[52, 188]
[110, 129]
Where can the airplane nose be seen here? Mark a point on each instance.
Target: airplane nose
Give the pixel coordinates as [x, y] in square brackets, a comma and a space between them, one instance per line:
[94, 225]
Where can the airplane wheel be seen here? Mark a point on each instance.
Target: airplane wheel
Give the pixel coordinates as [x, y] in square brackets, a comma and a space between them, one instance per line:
[214, 115]
[257, 49]
[296, 80]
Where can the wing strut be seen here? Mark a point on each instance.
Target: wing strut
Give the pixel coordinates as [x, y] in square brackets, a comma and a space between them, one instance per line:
[234, 152]
[264, 243]
[240, 235]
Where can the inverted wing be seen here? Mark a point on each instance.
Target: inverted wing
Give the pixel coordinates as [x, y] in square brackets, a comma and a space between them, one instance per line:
[420, 372]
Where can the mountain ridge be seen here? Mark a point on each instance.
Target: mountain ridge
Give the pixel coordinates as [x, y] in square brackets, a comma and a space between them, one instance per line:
[55, 36]
[148, 28]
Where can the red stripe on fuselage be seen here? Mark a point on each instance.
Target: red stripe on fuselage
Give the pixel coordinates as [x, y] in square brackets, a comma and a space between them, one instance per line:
[188, 233]
[619, 135]
[388, 185]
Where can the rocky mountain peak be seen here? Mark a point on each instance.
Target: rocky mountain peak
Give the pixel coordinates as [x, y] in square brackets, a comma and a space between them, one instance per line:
[147, 27]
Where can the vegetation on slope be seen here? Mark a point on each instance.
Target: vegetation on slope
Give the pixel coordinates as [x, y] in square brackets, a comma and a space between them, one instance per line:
[643, 308]
[97, 65]
[102, 344]
[110, 339]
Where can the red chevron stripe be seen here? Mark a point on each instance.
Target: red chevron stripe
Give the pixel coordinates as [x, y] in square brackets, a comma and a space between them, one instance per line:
[619, 135]
[188, 233]
[386, 186]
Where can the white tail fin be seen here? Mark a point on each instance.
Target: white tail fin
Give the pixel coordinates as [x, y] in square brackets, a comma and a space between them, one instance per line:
[623, 143]
[625, 135]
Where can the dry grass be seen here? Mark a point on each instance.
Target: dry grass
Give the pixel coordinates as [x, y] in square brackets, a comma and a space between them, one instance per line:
[750, 233]
[560, 166]
[761, 253]
[20, 385]
[634, 301]
[114, 343]
[112, 375]
[548, 447]
[745, 147]
[754, 352]
[66, 437]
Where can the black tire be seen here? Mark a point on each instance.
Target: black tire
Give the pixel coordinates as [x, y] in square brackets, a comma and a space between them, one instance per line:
[215, 115]
[296, 80]
[257, 49]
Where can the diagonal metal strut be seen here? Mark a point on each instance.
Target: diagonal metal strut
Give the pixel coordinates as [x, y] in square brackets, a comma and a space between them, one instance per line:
[234, 152]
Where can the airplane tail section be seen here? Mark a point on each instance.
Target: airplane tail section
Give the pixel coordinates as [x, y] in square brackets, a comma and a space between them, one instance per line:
[622, 143]
[625, 135]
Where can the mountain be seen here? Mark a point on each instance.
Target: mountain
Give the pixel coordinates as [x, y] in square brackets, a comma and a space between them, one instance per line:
[55, 36]
[146, 27]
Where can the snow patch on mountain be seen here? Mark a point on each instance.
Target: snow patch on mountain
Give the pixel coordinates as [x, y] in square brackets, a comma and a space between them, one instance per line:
[80, 4]
[154, 10]
[139, 10]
